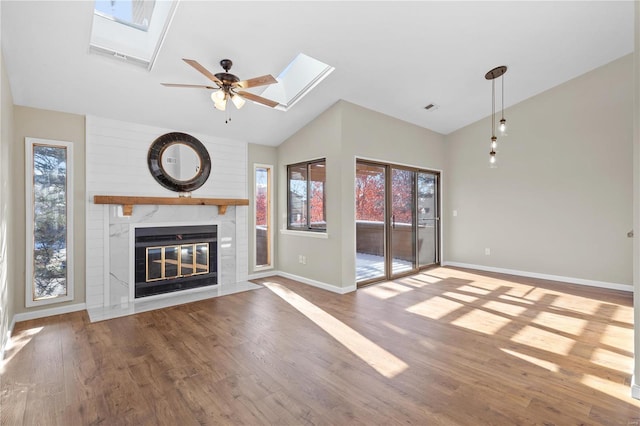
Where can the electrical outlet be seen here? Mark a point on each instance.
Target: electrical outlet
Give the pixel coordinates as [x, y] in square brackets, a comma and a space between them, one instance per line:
[299, 258]
[304, 260]
[455, 213]
[487, 251]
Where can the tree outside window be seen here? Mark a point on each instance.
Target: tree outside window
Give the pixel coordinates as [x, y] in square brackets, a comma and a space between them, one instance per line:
[306, 196]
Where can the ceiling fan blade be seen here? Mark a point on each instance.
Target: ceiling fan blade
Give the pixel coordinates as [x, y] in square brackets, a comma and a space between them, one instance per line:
[197, 86]
[258, 81]
[203, 70]
[259, 99]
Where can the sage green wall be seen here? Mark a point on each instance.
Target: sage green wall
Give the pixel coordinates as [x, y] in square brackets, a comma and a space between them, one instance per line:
[560, 202]
[39, 123]
[371, 135]
[341, 134]
[318, 139]
[261, 154]
[636, 200]
[7, 234]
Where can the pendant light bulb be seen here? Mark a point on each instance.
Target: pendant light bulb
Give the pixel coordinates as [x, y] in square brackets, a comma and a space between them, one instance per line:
[503, 125]
[494, 143]
[493, 162]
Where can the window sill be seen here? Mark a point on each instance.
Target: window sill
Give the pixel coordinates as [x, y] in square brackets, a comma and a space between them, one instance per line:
[310, 234]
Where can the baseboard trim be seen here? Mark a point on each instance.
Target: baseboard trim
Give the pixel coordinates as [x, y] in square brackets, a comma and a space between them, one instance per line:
[41, 313]
[635, 389]
[319, 284]
[7, 337]
[264, 274]
[571, 280]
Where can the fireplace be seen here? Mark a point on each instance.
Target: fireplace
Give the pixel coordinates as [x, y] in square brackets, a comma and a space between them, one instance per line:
[172, 258]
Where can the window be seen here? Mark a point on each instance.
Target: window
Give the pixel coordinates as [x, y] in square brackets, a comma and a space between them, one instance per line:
[131, 31]
[263, 216]
[49, 190]
[306, 196]
[297, 80]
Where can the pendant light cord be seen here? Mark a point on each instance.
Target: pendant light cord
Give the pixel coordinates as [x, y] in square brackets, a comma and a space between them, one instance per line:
[502, 79]
[493, 108]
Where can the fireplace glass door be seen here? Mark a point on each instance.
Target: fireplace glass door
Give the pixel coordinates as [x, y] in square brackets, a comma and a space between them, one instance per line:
[185, 260]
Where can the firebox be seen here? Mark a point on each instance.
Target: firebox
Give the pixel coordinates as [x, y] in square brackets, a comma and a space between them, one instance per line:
[172, 258]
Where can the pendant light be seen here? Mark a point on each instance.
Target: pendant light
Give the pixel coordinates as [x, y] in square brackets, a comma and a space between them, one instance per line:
[492, 75]
[503, 121]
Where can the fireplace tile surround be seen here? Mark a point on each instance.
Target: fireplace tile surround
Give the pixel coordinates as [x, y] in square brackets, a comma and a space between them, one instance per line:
[116, 164]
[120, 246]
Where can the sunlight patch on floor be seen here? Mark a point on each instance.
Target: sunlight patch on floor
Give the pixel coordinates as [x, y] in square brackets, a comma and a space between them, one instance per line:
[481, 321]
[422, 279]
[537, 338]
[460, 296]
[385, 290]
[547, 365]
[378, 358]
[620, 339]
[473, 289]
[395, 328]
[434, 308]
[505, 308]
[16, 343]
[574, 326]
[517, 299]
[613, 360]
[617, 389]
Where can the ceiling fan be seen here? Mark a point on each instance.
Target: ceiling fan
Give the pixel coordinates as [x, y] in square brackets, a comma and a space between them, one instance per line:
[229, 85]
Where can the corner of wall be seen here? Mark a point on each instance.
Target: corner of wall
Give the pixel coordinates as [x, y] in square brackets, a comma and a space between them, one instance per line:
[7, 233]
[635, 389]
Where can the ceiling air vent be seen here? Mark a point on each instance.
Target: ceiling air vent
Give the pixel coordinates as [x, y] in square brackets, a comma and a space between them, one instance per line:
[431, 107]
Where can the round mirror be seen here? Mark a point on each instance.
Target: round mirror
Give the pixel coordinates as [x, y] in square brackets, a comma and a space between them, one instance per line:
[179, 162]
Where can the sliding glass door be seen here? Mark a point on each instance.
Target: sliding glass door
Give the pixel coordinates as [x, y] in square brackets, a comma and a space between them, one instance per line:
[402, 227]
[397, 223]
[428, 219]
[370, 222]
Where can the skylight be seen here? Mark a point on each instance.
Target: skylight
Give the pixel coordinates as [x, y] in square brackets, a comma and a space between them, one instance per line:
[296, 80]
[136, 14]
[131, 30]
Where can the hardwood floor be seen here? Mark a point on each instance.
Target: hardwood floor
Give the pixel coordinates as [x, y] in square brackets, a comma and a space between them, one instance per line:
[446, 347]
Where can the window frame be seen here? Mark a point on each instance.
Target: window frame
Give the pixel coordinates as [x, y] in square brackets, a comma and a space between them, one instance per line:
[270, 235]
[30, 144]
[308, 165]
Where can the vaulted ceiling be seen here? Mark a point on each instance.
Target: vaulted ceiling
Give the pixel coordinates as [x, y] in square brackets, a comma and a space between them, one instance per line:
[392, 57]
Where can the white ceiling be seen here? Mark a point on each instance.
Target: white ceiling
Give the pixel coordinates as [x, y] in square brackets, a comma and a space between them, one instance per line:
[392, 57]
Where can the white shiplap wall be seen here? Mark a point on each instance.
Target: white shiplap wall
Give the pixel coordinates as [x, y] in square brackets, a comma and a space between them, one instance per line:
[116, 164]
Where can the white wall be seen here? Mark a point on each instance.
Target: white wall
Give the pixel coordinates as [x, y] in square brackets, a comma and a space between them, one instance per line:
[117, 165]
[560, 202]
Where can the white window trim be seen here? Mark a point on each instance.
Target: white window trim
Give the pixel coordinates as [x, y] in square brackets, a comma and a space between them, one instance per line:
[29, 214]
[270, 208]
[310, 234]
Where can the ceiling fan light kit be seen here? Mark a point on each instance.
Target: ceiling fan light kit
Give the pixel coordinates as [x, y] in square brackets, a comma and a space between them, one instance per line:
[228, 86]
[492, 75]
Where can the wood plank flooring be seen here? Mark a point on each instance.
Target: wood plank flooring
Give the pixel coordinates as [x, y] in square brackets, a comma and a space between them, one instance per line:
[445, 347]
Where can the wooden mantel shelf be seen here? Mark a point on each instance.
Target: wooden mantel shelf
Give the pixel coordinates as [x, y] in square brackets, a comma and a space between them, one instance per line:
[128, 202]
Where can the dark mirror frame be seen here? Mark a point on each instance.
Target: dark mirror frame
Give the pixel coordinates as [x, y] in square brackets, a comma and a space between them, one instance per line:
[154, 159]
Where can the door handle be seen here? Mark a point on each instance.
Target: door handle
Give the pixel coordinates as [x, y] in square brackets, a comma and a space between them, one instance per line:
[393, 221]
